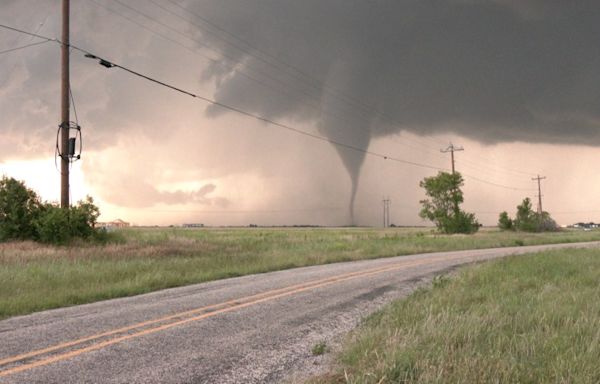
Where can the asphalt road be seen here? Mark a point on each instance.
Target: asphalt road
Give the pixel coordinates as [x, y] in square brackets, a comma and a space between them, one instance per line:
[252, 329]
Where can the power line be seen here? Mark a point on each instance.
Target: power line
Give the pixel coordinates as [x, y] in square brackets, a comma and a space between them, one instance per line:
[244, 211]
[27, 33]
[24, 46]
[37, 30]
[202, 43]
[496, 184]
[109, 64]
[276, 62]
[314, 83]
[180, 90]
[281, 63]
[49, 40]
[487, 169]
[495, 167]
[286, 87]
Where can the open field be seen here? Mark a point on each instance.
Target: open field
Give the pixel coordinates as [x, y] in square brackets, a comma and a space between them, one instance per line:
[35, 277]
[517, 320]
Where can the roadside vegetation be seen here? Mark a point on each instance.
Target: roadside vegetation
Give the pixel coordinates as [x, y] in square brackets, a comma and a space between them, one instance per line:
[23, 216]
[527, 220]
[522, 319]
[319, 348]
[36, 276]
[442, 206]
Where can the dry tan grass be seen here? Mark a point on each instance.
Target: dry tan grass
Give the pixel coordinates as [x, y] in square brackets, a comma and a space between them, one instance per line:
[35, 277]
[24, 251]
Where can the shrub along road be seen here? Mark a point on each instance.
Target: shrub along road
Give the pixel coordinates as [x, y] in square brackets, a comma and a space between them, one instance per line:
[258, 328]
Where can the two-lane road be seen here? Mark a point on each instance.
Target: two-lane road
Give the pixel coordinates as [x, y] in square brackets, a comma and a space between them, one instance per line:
[252, 329]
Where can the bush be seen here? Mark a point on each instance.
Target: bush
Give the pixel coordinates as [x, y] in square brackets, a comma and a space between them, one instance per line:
[546, 223]
[53, 225]
[24, 217]
[463, 222]
[19, 208]
[84, 216]
[505, 222]
[527, 220]
[59, 226]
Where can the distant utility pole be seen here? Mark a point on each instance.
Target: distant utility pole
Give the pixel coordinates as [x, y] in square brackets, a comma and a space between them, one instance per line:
[64, 116]
[451, 148]
[539, 179]
[386, 212]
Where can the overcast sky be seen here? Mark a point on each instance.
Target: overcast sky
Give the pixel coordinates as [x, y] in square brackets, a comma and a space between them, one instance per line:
[514, 82]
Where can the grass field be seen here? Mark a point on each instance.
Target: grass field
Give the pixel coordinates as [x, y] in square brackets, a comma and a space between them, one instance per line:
[524, 319]
[35, 277]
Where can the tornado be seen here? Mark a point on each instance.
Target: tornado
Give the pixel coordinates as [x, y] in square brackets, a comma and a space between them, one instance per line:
[344, 129]
[490, 71]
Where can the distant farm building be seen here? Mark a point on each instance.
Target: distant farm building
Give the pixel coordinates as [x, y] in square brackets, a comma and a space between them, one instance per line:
[589, 225]
[193, 225]
[114, 224]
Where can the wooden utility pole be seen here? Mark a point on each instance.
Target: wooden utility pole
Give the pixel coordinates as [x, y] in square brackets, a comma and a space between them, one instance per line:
[65, 104]
[451, 148]
[539, 179]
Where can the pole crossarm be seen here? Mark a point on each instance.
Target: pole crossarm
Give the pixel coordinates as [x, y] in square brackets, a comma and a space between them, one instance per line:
[452, 148]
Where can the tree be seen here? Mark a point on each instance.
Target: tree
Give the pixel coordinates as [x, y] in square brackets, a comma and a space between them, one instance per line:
[505, 222]
[443, 205]
[24, 217]
[19, 208]
[528, 220]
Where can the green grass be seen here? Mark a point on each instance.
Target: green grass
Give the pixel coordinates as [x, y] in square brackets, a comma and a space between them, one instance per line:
[319, 348]
[524, 319]
[36, 277]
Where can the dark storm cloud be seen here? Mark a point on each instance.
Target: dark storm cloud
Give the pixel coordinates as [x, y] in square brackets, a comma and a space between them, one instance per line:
[494, 71]
[504, 70]
[491, 70]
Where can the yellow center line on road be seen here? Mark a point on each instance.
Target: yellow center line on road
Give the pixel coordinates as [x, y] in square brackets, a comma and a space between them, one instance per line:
[23, 356]
[53, 348]
[230, 305]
